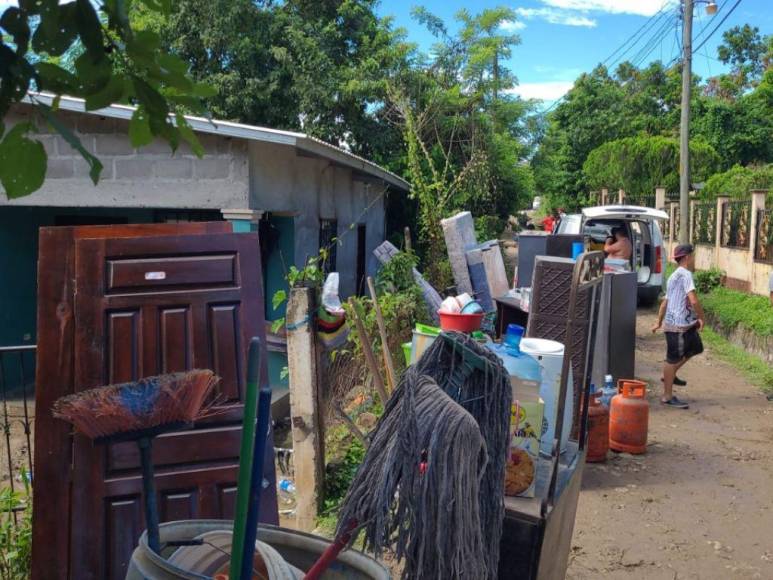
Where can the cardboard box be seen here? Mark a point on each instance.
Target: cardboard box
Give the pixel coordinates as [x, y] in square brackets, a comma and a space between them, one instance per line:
[523, 456]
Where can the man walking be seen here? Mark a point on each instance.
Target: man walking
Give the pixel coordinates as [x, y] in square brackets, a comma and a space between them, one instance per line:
[684, 319]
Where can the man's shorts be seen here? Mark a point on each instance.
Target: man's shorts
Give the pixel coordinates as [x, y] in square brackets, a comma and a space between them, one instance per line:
[682, 345]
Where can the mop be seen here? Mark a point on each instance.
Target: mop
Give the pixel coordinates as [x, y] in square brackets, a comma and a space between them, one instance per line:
[431, 486]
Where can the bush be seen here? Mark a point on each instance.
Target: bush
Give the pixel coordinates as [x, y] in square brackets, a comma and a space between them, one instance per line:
[488, 227]
[708, 280]
[732, 308]
[15, 534]
[738, 181]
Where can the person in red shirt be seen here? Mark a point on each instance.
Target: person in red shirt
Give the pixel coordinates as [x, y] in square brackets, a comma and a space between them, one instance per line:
[550, 222]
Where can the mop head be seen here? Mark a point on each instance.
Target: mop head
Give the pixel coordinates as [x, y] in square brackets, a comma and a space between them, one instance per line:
[144, 404]
[417, 489]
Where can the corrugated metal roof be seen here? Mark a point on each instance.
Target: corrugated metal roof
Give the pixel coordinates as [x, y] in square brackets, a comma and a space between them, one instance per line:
[300, 141]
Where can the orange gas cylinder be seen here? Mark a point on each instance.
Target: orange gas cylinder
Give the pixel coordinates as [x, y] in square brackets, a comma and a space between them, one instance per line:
[628, 417]
[598, 430]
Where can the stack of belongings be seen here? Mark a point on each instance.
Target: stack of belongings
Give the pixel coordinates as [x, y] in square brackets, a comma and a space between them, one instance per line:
[478, 269]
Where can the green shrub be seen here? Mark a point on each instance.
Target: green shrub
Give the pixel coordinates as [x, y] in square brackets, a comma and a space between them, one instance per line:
[732, 308]
[488, 227]
[15, 534]
[707, 280]
[738, 181]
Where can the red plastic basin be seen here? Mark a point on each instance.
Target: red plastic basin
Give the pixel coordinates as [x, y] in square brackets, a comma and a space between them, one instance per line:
[460, 322]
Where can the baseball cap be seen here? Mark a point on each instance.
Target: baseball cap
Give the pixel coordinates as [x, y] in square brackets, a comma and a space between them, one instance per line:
[683, 250]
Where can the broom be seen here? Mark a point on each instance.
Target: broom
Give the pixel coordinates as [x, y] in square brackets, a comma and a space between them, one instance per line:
[139, 411]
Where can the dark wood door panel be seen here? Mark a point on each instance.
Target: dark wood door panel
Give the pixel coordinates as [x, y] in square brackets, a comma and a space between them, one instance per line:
[52, 510]
[131, 325]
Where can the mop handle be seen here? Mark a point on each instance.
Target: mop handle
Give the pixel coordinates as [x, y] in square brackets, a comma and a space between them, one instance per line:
[331, 553]
[256, 482]
[245, 458]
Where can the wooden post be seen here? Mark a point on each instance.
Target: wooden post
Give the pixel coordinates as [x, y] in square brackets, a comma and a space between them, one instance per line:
[370, 358]
[407, 237]
[660, 197]
[305, 414]
[390, 367]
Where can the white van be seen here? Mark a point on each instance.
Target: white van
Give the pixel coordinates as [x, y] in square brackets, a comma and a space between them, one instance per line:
[648, 259]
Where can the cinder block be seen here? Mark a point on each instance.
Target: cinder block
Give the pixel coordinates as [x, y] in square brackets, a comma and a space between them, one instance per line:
[60, 169]
[135, 168]
[63, 148]
[212, 168]
[113, 145]
[174, 168]
[91, 124]
[82, 168]
[49, 144]
[157, 147]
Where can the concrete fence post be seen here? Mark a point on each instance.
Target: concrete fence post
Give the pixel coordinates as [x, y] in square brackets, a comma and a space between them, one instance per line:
[691, 224]
[604, 196]
[660, 197]
[718, 237]
[758, 203]
[305, 414]
[621, 196]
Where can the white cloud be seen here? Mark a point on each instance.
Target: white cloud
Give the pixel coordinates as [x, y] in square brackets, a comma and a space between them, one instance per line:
[556, 16]
[546, 91]
[638, 7]
[512, 25]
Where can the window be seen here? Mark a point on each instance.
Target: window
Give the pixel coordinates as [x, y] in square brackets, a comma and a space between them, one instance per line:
[328, 232]
[161, 216]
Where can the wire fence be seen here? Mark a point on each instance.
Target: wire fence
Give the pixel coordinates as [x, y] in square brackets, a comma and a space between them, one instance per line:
[641, 199]
[17, 414]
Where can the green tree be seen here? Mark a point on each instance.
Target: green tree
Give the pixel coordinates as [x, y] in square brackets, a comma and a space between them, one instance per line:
[315, 66]
[744, 50]
[640, 164]
[109, 62]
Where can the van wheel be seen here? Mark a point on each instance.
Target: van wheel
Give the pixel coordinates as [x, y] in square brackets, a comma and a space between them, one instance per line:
[648, 296]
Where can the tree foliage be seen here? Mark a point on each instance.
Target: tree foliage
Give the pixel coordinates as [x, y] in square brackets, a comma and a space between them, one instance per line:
[93, 53]
[738, 181]
[640, 164]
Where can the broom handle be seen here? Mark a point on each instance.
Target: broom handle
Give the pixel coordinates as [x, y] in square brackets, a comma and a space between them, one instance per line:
[331, 553]
[145, 445]
[245, 458]
[256, 483]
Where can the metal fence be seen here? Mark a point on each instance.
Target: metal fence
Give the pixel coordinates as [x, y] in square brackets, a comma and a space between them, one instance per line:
[17, 413]
[666, 224]
[736, 223]
[677, 221]
[704, 223]
[644, 200]
[764, 233]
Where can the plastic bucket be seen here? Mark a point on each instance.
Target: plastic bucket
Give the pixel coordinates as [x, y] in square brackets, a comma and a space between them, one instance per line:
[407, 352]
[298, 549]
[550, 356]
[423, 337]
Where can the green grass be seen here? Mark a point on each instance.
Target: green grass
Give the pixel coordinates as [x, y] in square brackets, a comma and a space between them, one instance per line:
[732, 308]
[752, 367]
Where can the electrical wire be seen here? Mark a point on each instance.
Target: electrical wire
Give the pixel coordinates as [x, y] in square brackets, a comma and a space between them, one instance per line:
[721, 22]
[657, 39]
[649, 23]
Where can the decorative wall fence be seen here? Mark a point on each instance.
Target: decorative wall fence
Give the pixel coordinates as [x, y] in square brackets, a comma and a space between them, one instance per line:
[735, 235]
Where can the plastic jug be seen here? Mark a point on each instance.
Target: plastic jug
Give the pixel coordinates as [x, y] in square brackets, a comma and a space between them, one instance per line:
[550, 356]
[629, 418]
[608, 391]
[525, 372]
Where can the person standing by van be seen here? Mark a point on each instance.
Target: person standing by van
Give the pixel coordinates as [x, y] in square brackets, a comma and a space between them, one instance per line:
[684, 319]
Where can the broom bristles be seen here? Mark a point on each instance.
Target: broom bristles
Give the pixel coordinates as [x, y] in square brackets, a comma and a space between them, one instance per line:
[138, 405]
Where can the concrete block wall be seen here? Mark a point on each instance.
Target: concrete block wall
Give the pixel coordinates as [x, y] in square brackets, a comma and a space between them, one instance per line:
[310, 189]
[149, 177]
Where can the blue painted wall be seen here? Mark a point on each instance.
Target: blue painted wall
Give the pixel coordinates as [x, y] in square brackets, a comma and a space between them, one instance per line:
[280, 238]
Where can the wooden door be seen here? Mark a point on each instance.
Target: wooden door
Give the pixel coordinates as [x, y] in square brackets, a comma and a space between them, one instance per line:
[198, 309]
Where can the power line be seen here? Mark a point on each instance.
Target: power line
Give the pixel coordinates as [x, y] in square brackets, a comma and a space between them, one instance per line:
[649, 23]
[721, 22]
[656, 39]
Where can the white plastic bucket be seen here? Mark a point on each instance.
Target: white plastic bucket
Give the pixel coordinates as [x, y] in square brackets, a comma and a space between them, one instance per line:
[550, 356]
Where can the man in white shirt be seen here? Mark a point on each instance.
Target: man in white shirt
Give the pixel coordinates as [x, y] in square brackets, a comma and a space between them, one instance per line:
[684, 320]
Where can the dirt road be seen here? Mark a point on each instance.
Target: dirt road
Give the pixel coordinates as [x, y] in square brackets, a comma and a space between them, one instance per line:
[699, 504]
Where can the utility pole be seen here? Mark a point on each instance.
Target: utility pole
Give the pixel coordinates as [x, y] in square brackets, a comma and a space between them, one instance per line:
[684, 125]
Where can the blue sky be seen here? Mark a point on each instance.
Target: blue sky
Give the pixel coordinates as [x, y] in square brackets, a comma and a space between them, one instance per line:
[562, 38]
